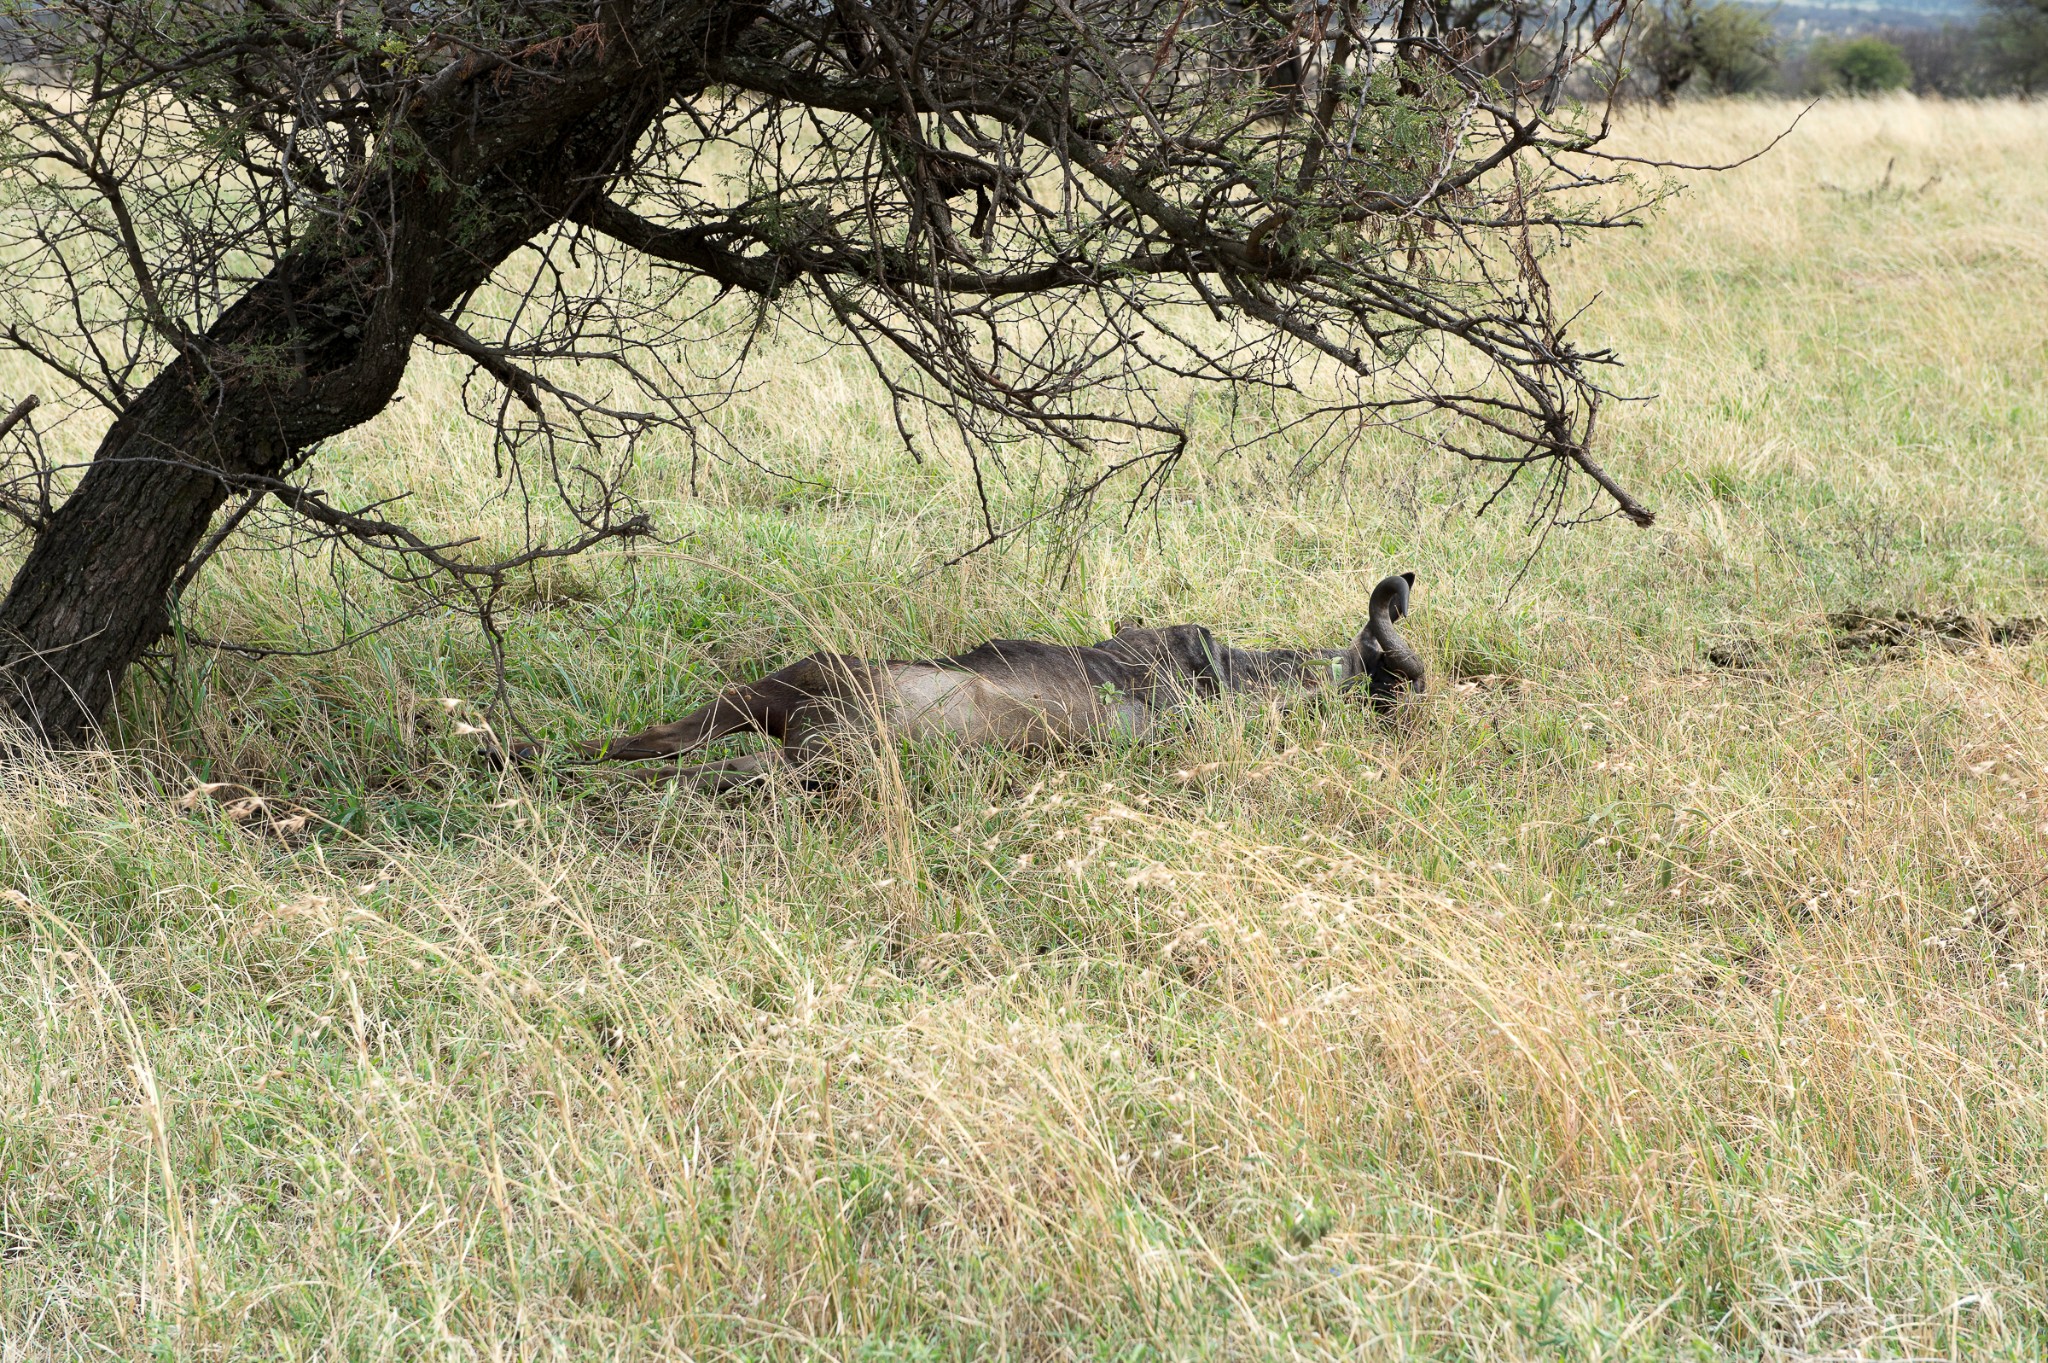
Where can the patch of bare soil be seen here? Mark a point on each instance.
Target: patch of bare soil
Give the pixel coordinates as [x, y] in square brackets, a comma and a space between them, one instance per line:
[1898, 632]
[1739, 654]
[1886, 635]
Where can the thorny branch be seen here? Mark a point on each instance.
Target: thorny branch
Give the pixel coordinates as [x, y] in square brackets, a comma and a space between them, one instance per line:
[1044, 223]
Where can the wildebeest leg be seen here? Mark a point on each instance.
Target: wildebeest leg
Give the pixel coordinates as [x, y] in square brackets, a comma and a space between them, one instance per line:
[765, 706]
[735, 710]
[715, 778]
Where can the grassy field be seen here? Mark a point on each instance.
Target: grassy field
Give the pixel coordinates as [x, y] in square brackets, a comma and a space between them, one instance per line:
[1608, 1004]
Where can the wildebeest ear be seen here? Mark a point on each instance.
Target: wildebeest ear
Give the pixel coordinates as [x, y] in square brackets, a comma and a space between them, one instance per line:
[1409, 578]
[1128, 622]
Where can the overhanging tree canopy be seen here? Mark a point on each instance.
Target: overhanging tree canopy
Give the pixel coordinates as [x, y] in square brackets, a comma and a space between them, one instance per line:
[228, 222]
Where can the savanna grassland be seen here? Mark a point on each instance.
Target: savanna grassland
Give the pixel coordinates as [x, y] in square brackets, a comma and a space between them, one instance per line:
[1611, 1002]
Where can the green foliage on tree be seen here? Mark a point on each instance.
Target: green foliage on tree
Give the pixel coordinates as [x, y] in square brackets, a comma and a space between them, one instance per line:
[1857, 66]
[2016, 32]
[1737, 48]
[1720, 48]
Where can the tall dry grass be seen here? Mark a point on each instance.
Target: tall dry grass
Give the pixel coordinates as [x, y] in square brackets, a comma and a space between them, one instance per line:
[1609, 1004]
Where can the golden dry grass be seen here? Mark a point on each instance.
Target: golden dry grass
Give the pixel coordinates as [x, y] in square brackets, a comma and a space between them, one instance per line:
[1608, 1005]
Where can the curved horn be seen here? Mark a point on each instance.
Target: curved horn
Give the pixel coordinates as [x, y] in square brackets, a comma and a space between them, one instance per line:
[1394, 591]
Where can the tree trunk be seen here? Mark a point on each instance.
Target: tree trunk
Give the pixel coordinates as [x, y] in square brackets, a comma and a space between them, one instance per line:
[480, 175]
[95, 590]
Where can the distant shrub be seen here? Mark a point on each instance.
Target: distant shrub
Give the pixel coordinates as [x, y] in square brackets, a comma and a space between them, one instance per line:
[1736, 48]
[2004, 52]
[1857, 66]
[1664, 49]
[2016, 34]
[1724, 48]
[1953, 60]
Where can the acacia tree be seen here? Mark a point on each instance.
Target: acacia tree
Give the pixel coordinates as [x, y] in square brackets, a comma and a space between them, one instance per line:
[1731, 48]
[228, 223]
[2016, 32]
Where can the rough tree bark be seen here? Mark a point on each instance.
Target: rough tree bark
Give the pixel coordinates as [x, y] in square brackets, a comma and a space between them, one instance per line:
[94, 592]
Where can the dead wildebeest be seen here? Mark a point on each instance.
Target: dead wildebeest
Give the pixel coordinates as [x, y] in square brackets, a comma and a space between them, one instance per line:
[1019, 694]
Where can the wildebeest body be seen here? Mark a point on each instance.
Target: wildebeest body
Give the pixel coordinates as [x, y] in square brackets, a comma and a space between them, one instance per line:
[1019, 694]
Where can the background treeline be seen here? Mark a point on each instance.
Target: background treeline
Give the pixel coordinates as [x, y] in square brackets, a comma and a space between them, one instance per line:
[1723, 48]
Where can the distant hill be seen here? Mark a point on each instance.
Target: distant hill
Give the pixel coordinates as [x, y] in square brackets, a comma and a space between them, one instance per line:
[1840, 16]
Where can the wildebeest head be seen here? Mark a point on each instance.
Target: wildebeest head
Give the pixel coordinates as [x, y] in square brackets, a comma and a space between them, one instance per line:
[1188, 661]
[1394, 666]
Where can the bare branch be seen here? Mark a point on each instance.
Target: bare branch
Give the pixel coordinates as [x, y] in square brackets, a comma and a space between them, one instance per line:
[496, 363]
[230, 225]
[18, 414]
